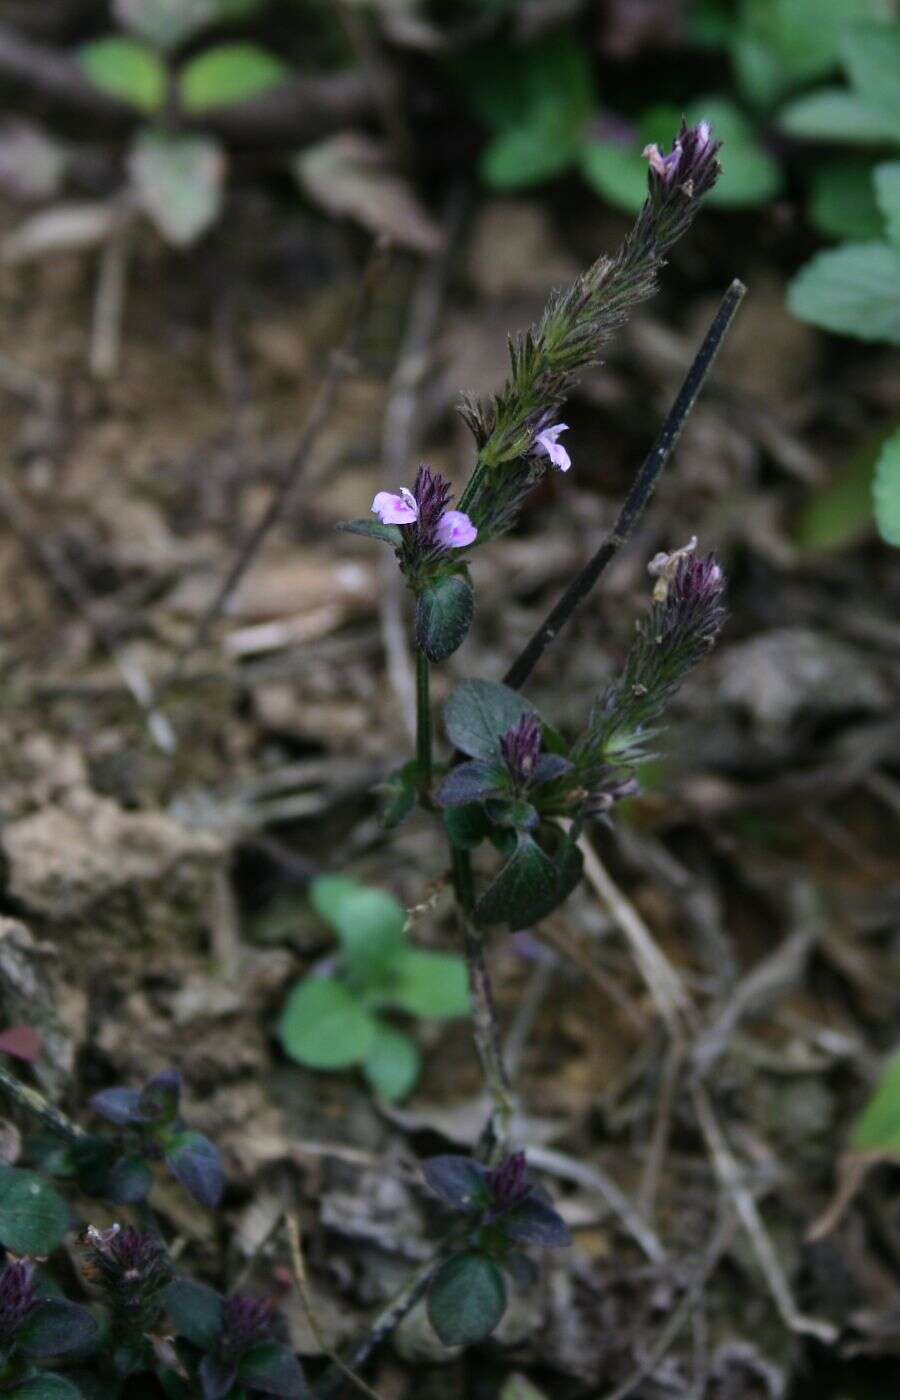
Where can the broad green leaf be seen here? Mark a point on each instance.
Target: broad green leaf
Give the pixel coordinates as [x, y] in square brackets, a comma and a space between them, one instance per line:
[45, 1387]
[842, 203]
[324, 1026]
[523, 886]
[760, 75]
[466, 827]
[429, 984]
[839, 513]
[834, 114]
[398, 793]
[479, 713]
[179, 182]
[195, 1311]
[521, 1388]
[878, 1127]
[886, 490]
[887, 193]
[229, 73]
[852, 290]
[392, 1064]
[57, 1327]
[804, 36]
[272, 1369]
[444, 612]
[368, 922]
[617, 168]
[537, 98]
[126, 69]
[466, 1300]
[33, 1217]
[749, 174]
[871, 55]
[166, 23]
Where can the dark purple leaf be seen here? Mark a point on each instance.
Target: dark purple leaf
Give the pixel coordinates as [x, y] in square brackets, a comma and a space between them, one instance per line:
[549, 767]
[470, 782]
[216, 1377]
[273, 1369]
[56, 1327]
[533, 1222]
[160, 1097]
[459, 1181]
[195, 1311]
[117, 1105]
[195, 1162]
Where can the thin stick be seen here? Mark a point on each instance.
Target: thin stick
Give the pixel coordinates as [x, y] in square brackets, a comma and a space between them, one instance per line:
[423, 728]
[639, 495]
[342, 363]
[302, 1282]
[33, 1102]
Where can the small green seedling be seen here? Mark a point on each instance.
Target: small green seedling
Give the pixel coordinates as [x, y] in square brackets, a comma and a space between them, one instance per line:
[334, 1021]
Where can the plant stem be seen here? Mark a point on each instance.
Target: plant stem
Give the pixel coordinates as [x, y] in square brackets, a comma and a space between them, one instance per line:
[33, 1102]
[484, 1017]
[639, 495]
[423, 728]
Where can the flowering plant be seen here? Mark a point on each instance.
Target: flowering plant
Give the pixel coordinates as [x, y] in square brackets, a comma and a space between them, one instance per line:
[513, 779]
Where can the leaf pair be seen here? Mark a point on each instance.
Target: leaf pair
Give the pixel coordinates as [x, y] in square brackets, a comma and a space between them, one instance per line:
[332, 1022]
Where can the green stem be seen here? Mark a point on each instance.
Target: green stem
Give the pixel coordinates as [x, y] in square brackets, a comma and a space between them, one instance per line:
[423, 728]
[484, 1017]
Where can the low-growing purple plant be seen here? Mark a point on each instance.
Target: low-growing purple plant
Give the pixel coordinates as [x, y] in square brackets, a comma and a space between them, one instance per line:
[153, 1130]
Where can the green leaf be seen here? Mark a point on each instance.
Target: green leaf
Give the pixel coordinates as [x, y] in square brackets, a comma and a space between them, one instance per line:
[524, 885]
[853, 290]
[127, 70]
[887, 193]
[373, 530]
[466, 1300]
[195, 1311]
[878, 1127]
[479, 713]
[324, 1026]
[33, 1217]
[839, 513]
[179, 182]
[536, 97]
[444, 615]
[272, 1369]
[617, 169]
[166, 23]
[842, 204]
[886, 490]
[229, 73]
[520, 1388]
[392, 1064]
[834, 114]
[871, 55]
[466, 827]
[57, 1327]
[804, 36]
[429, 984]
[45, 1387]
[749, 174]
[368, 922]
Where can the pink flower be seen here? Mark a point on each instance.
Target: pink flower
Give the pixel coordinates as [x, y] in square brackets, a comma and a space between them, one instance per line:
[666, 167]
[395, 510]
[455, 530]
[546, 442]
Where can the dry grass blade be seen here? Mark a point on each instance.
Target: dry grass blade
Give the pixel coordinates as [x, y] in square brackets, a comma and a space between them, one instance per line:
[293, 1234]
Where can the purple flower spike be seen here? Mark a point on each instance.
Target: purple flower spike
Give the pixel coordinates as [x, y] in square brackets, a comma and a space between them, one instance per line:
[508, 1183]
[691, 164]
[455, 530]
[396, 510]
[18, 1298]
[245, 1321]
[546, 442]
[520, 747]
